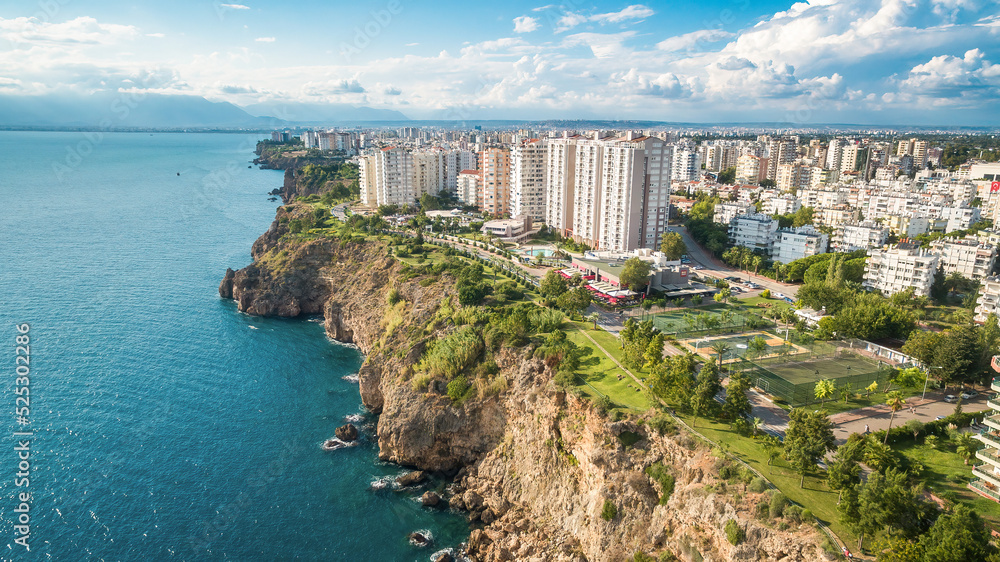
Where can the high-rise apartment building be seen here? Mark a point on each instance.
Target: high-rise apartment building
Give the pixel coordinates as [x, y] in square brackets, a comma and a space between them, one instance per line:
[527, 181]
[495, 167]
[560, 182]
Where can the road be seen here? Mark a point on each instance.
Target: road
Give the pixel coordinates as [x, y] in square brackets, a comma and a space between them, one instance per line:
[715, 268]
[876, 418]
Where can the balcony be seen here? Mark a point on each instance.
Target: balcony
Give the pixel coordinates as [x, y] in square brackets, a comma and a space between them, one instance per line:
[989, 438]
[995, 384]
[993, 403]
[993, 422]
[986, 475]
[990, 456]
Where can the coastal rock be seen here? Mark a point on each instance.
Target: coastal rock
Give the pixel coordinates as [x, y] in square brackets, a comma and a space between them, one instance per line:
[430, 499]
[536, 463]
[419, 539]
[347, 432]
[445, 557]
[411, 478]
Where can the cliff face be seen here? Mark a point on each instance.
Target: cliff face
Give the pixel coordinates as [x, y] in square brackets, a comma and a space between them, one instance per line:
[533, 464]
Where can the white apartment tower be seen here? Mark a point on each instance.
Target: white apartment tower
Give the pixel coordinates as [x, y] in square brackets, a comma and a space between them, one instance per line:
[560, 180]
[527, 181]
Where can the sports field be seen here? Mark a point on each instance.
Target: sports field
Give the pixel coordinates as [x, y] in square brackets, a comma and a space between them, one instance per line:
[693, 320]
[739, 346]
[847, 365]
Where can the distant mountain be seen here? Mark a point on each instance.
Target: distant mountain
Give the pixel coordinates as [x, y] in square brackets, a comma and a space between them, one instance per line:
[320, 113]
[121, 110]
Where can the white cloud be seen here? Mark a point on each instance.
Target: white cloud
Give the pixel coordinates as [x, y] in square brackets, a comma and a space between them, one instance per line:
[525, 24]
[950, 77]
[265, 39]
[570, 20]
[81, 30]
[157, 35]
[696, 40]
[235, 6]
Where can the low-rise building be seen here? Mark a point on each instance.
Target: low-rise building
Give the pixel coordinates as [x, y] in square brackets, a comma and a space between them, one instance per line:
[782, 205]
[512, 228]
[966, 256]
[899, 267]
[726, 212]
[989, 299]
[859, 236]
[796, 243]
[754, 230]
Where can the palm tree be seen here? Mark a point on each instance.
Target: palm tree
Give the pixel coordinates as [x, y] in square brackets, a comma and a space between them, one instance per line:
[895, 402]
[721, 348]
[726, 316]
[756, 424]
[594, 317]
[966, 446]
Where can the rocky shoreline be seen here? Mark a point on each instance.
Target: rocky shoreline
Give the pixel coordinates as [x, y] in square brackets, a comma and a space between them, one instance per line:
[533, 466]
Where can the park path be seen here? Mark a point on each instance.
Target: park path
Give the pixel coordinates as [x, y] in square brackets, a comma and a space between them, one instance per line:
[876, 418]
[615, 361]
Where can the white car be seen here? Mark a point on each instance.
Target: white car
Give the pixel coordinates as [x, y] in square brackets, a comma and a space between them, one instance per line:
[950, 398]
[969, 394]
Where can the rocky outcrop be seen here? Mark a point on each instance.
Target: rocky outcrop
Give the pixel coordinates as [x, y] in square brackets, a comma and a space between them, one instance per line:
[532, 465]
[346, 433]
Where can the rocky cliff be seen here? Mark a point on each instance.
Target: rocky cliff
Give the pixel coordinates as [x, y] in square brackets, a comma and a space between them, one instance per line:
[532, 465]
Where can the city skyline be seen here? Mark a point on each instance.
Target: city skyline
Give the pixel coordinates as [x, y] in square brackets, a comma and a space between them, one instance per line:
[894, 62]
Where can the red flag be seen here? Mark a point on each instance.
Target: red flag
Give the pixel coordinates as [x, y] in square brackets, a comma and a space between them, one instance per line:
[995, 187]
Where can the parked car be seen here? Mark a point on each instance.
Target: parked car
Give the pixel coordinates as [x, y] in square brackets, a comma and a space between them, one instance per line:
[969, 394]
[950, 398]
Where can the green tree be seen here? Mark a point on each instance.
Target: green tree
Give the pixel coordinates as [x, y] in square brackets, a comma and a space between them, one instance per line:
[961, 536]
[635, 273]
[845, 470]
[824, 389]
[939, 287]
[737, 406]
[654, 351]
[673, 246]
[809, 437]
[727, 176]
[594, 317]
[703, 399]
[757, 346]
[894, 400]
[552, 285]
[885, 503]
[575, 300]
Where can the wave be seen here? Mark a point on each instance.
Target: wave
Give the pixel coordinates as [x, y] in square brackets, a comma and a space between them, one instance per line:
[425, 533]
[332, 444]
[456, 555]
[354, 418]
[351, 378]
[384, 483]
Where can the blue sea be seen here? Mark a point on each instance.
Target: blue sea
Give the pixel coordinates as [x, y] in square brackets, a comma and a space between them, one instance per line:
[164, 424]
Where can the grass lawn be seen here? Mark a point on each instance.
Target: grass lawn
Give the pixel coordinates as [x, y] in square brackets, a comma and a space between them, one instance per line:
[944, 471]
[815, 495]
[753, 302]
[603, 377]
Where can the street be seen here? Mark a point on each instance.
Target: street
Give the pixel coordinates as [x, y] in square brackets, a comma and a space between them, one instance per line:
[715, 268]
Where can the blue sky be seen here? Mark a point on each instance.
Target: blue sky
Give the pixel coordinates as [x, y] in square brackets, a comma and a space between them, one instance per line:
[847, 61]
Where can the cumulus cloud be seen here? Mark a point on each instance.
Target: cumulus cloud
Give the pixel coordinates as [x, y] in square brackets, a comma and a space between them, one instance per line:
[525, 24]
[569, 20]
[948, 76]
[231, 89]
[735, 63]
[391, 90]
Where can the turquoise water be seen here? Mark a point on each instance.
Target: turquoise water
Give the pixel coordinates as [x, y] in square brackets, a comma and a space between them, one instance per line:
[168, 426]
[543, 252]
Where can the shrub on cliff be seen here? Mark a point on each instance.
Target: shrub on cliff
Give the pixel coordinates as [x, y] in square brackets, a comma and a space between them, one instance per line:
[609, 511]
[452, 355]
[458, 389]
[733, 532]
[657, 471]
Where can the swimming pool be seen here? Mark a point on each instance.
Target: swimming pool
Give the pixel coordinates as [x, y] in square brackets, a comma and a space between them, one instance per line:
[540, 252]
